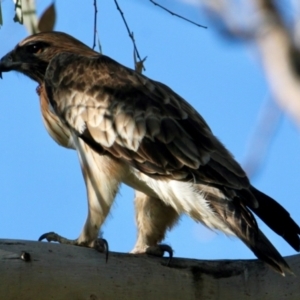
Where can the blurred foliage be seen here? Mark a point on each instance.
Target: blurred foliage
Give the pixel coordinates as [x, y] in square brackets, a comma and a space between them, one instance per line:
[25, 13]
[47, 20]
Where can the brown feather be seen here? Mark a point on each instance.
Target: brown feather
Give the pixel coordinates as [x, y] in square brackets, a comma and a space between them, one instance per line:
[167, 126]
[134, 121]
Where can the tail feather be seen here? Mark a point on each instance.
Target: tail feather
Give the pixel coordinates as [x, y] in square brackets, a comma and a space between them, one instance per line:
[250, 234]
[265, 251]
[277, 218]
[240, 220]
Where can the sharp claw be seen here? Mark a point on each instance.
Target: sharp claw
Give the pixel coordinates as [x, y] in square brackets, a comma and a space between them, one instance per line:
[168, 249]
[106, 250]
[101, 245]
[45, 236]
[170, 258]
[159, 250]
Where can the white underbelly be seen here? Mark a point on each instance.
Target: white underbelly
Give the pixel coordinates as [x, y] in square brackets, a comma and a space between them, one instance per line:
[182, 196]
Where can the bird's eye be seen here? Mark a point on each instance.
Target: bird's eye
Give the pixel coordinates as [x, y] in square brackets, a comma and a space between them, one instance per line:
[35, 48]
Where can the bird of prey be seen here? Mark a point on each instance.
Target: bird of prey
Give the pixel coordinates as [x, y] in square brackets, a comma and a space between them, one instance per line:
[129, 128]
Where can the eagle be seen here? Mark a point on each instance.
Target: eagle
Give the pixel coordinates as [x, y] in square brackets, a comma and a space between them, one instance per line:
[128, 128]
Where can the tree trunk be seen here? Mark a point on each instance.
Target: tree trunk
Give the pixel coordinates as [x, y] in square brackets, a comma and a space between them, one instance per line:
[68, 272]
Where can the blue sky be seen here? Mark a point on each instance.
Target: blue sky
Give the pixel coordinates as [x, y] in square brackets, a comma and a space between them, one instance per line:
[41, 187]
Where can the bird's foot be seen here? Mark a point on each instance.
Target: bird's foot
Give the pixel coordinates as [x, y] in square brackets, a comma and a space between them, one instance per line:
[159, 250]
[99, 244]
[54, 237]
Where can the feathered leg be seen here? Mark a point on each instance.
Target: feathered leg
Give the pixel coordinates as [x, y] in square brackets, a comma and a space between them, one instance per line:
[153, 218]
[102, 177]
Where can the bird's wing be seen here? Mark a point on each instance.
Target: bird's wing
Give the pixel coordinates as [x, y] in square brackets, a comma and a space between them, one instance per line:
[143, 122]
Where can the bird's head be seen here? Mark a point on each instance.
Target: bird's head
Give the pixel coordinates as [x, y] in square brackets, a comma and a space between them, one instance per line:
[32, 55]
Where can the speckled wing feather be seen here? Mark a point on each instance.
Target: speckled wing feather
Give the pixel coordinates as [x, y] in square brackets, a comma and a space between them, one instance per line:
[121, 113]
[143, 122]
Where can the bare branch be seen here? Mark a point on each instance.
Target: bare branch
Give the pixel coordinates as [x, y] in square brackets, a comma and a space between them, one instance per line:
[1, 20]
[95, 24]
[129, 32]
[176, 15]
[223, 14]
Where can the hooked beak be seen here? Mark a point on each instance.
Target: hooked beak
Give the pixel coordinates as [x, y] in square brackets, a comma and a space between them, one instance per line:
[7, 64]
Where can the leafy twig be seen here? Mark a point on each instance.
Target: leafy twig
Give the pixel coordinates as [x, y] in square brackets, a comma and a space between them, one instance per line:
[176, 15]
[129, 32]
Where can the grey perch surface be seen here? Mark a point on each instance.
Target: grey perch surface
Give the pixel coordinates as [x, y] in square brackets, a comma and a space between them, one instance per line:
[55, 271]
